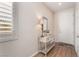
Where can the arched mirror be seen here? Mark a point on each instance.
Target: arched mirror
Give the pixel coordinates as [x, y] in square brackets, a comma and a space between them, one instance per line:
[44, 25]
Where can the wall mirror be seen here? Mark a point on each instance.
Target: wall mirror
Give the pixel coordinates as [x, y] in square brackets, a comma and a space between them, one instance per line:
[45, 24]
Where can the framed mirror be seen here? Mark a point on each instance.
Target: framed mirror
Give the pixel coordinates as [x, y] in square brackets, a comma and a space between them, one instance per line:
[45, 24]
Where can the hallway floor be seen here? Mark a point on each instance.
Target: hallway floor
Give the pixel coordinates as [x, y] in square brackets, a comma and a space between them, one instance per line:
[60, 50]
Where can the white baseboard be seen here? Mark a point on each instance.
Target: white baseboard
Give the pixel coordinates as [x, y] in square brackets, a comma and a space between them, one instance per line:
[35, 53]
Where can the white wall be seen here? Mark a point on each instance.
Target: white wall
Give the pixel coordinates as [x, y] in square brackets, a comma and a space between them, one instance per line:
[44, 12]
[77, 28]
[25, 17]
[64, 26]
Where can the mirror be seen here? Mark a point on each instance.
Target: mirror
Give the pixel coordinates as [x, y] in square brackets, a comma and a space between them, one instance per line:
[44, 26]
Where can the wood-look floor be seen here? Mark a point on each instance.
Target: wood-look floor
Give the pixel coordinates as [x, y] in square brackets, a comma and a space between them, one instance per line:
[60, 50]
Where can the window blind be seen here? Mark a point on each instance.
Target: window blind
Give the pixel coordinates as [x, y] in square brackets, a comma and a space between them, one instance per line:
[6, 23]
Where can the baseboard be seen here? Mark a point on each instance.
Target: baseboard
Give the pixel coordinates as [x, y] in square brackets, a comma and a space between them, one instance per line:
[35, 53]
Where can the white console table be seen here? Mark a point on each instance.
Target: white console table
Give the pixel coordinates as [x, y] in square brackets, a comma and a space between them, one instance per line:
[46, 44]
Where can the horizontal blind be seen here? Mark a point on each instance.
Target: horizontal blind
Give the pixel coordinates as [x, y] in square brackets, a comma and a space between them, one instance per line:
[6, 24]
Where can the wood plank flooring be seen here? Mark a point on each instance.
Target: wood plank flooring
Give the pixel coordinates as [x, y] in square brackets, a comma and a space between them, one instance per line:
[60, 50]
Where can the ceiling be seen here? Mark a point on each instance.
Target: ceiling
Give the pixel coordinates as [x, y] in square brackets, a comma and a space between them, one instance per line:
[56, 6]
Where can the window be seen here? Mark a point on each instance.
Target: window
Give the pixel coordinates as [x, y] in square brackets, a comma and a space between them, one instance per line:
[6, 23]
